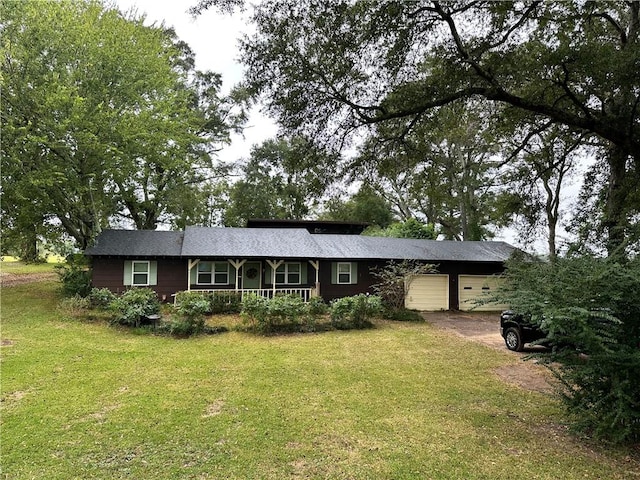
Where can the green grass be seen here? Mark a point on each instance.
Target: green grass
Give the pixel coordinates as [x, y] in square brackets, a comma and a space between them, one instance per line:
[401, 401]
[21, 268]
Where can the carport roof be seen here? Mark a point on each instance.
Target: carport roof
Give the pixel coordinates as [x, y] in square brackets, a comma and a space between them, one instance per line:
[289, 243]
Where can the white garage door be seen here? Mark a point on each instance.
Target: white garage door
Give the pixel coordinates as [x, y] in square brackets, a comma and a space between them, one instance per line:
[474, 287]
[428, 292]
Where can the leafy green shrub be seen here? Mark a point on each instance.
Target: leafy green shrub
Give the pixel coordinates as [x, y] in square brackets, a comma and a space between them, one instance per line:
[355, 312]
[219, 302]
[101, 297]
[226, 302]
[593, 306]
[75, 279]
[255, 310]
[191, 315]
[134, 304]
[194, 295]
[401, 315]
[281, 313]
[317, 306]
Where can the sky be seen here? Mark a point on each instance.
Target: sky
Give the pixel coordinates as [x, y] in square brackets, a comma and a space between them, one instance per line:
[213, 37]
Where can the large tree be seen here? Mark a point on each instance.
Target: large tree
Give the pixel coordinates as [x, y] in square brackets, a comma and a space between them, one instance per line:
[330, 68]
[102, 116]
[282, 179]
[443, 170]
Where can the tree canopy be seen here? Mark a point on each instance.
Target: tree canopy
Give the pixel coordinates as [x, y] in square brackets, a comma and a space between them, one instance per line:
[335, 69]
[102, 117]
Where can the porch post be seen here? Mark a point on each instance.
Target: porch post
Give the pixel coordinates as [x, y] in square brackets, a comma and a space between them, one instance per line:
[316, 264]
[190, 265]
[237, 264]
[274, 264]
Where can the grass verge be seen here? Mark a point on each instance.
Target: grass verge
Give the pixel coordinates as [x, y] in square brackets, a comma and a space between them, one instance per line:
[84, 400]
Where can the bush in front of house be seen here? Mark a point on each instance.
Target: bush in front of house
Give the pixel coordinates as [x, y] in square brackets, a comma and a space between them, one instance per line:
[355, 312]
[133, 305]
[317, 306]
[101, 298]
[281, 313]
[401, 315]
[219, 302]
[75, 279]
[226, 302]
[191, 311]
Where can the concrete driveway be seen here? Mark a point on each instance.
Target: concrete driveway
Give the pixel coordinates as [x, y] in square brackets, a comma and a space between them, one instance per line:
[484, 328]
[477, 326]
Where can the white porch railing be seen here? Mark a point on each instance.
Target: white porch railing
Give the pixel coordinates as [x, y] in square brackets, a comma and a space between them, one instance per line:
[305, 293]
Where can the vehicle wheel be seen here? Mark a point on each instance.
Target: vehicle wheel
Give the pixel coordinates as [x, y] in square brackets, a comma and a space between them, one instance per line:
[513, 339]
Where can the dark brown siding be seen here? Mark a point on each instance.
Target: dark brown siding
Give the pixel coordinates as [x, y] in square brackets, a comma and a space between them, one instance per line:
[172, 277]
[365, 278]
[109, 273]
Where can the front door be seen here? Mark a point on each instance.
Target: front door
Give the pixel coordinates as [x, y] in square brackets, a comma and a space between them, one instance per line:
[251, 275]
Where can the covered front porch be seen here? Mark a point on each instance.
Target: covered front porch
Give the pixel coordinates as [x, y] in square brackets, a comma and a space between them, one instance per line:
[263, 277]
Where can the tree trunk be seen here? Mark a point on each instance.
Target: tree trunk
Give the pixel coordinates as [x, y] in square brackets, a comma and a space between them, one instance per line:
[29, 245]
[615, 221]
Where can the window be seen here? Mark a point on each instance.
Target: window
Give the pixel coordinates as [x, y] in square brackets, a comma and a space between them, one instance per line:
[344, 273]
[221, 273]
[289, 274]
[205, 276]
[213, 273]
[140, 273]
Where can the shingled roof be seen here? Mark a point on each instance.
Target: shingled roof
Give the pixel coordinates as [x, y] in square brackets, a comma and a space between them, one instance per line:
[137, 243]
[289, 243]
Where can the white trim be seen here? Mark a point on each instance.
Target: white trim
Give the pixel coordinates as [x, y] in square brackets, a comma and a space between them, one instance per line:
[212, 272]
[286, 273]
[134, 273]
[350, 273]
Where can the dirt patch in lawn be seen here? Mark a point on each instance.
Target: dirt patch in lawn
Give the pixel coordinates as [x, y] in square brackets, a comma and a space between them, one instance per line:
[11, 279]
[484, 328]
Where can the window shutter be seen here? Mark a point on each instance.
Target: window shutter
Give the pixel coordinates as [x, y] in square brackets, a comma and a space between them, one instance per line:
[268, 275]
[153, 273]
[127, 273]
[354, 273]
[303, 273]
[334, 273]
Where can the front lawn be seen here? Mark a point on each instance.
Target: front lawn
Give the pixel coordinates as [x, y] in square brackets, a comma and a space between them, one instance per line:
[85, 400]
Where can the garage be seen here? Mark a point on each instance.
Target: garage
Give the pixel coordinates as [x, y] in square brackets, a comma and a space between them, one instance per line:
[428, 292]
[474, 287]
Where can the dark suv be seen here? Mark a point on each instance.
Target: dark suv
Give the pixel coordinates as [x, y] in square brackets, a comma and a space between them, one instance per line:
[517, 330]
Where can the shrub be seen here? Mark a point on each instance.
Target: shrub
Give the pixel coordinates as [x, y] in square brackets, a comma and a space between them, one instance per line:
[191, 315]
[193, 296]
[219, 302]
[394, 279]
[226, 302]
[75, 279]
[101, 297]
[402, 315]
[283, 312]
[592, 304]
[317, 306]
[255, 310]
[134, 304]
[355, 312]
